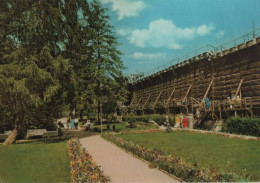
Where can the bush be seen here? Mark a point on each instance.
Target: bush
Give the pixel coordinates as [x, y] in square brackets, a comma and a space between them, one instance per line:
[159, 119]
[245, 126]
[111, 118]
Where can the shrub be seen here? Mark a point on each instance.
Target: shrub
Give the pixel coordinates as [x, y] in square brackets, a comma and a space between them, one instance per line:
[245, 126]
[158, 118]
[114, 127]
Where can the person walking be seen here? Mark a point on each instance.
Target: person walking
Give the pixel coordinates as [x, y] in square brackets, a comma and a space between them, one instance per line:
[72, 125]
[76, 121]
[68, 123]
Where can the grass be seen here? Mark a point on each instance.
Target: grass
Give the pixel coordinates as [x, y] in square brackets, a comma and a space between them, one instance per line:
[34, 162]
[125, 127]
[225, 154]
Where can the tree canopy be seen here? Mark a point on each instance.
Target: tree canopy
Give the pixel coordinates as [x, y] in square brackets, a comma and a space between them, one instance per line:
[55, 54]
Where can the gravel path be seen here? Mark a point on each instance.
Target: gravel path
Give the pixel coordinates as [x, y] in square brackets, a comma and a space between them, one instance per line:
[119, 165]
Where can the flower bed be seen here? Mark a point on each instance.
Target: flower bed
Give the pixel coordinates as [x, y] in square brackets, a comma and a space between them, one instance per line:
[81, 165]
[185, 171]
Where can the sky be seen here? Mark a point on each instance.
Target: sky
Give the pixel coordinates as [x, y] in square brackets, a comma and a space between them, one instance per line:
[152, 33]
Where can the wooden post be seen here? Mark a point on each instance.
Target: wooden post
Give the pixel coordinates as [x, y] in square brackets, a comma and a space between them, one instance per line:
[238, 88]
[157, 99]
[133, 100]
[207, 92]
[138, 102]
[146, 101]
[169, 98]
[187, 93]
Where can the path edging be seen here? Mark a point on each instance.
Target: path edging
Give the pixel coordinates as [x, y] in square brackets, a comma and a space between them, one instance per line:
[145, 161]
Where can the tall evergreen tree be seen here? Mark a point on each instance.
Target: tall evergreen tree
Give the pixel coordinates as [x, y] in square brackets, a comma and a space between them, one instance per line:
[32, 74]
[29, 81]
[105, 56]
[53, 52]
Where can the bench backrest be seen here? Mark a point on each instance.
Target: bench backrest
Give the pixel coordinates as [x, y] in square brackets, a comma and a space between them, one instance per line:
[36, 132]
[7, 132]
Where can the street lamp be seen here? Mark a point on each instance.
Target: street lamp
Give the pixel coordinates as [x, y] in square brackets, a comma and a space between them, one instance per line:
[101, 117]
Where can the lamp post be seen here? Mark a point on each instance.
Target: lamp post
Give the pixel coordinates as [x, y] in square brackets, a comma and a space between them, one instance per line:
[101, 117]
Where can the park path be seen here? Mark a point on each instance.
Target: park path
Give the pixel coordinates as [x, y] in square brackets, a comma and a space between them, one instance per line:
[121, 166]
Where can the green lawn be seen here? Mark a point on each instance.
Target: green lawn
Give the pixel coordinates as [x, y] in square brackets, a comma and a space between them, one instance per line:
[34, 162]
[125, 127]
[225, 154]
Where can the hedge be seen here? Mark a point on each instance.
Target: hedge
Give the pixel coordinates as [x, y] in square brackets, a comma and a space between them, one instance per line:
[159, 119]
[243, 126]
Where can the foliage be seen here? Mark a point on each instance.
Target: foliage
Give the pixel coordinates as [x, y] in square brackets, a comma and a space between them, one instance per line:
[111, 118]
[34, 81]
[5, 118]
[35, 162]
[54, 54]
[33, 73]
[186, 171]
[245, 126]
[158, 118]
[106, 80]
[82, 167]
[124, 127]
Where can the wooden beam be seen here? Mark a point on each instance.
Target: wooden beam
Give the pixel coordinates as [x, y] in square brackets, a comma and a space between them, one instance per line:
[169, 98]
[146, 101]
[157, 99]
[207, 92]
[238, 88]
[205, 95]
[133, 100]
[187, 93]
[139, 101]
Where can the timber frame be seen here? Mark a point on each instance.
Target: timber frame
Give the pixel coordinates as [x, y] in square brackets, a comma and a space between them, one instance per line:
[228, 78]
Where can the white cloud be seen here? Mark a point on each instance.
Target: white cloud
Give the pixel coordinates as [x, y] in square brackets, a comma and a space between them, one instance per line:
[219, 34]
[123, 32]
[164, 33]
[148, 56]
[126, 8]
[205, 29]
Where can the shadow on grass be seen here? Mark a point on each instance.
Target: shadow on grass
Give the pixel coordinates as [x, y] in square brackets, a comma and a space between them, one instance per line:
[67, 135]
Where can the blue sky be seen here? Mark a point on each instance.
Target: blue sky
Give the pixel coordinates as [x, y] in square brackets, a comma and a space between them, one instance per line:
[153, 32]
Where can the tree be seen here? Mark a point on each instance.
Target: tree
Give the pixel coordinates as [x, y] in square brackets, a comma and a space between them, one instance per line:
[33, 74]
[105, 56]
[29, 82]
[54, 53]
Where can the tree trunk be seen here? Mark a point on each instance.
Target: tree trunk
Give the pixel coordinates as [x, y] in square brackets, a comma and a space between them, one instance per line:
[99, 113]
[11, 138]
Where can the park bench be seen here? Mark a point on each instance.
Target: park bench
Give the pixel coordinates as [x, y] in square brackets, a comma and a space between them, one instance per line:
[49, 134]
[35, 132]
[7, 132]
